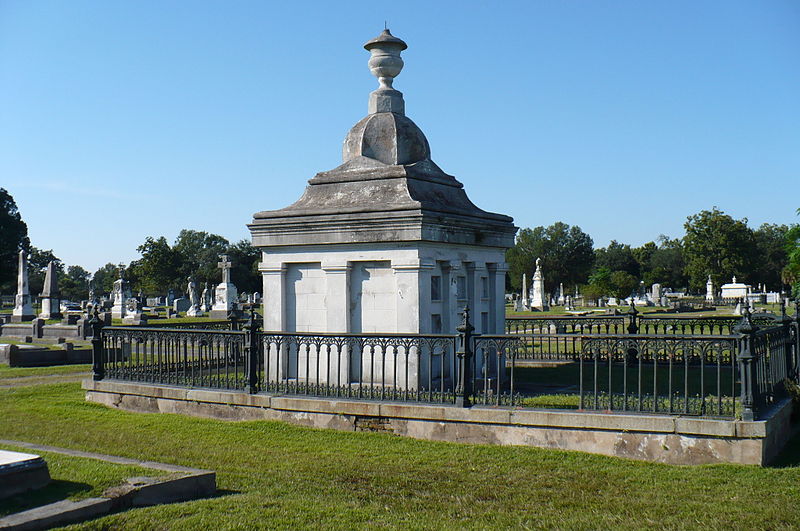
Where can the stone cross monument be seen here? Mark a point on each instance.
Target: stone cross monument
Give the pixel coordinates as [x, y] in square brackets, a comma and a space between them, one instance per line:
[539, 301]
[225, 294]
[50, 295]
[23, 311]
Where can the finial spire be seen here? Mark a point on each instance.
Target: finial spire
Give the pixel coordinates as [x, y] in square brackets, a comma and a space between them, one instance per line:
[385, 63]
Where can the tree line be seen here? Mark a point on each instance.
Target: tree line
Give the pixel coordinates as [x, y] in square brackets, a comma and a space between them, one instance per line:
[714, 244]
[161, 267]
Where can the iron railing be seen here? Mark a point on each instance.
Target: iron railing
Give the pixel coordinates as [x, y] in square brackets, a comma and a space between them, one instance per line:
[553, 363]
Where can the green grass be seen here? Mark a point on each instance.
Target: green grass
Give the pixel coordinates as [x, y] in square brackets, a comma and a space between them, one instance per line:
[73, 478]
[276, 475]
[18, 372]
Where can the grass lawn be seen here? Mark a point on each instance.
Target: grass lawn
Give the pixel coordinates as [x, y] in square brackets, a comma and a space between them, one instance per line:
[17, 372]
[276, 475]
[73, 478]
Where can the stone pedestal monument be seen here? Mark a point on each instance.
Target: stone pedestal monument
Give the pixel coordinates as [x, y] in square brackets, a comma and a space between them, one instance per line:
[710, 290]
[539, 301]
[23, 311]
[525, 301]
[50, 296]
[225, 295]
[387, 241]
[120, 294]
[194, 300]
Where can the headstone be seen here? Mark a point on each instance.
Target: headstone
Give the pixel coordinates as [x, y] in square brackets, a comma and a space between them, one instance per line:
[655, 293]
[568, 304]
[194, 300]
[134, 315]
[181, 304]
[225, 298]
[170, 297]
[23, 311]
[539, 301]
[561, 300]
[50, 295]
[257, 297]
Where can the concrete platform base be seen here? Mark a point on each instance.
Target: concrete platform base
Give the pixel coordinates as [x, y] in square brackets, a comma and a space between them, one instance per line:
[659, 438]
[21, 472]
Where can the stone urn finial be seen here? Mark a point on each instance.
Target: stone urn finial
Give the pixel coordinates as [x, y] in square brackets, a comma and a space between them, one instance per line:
[385, 63]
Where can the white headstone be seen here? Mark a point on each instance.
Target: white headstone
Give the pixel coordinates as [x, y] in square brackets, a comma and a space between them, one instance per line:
[710, 290]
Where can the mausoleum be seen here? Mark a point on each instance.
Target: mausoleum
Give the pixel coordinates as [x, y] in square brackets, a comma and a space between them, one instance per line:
[387, 241]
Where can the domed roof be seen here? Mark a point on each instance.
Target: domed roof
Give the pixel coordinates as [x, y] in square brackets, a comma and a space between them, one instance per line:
[388, 137]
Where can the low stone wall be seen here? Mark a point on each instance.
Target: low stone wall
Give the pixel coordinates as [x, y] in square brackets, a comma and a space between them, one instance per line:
[659, 438]
[37, 329]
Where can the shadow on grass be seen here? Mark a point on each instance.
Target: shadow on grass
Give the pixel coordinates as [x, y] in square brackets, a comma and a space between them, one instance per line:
[56, 490]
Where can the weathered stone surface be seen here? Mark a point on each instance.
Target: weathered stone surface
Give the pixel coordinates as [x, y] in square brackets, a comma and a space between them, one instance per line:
[646, 437]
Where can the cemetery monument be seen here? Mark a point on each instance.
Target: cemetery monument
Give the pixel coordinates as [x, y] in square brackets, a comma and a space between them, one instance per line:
[225, 296]
[50, 295]
[23, 311]
[539, 301]
[387, 241]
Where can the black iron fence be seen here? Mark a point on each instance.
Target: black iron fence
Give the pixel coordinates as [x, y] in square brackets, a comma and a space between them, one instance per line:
[718, 367]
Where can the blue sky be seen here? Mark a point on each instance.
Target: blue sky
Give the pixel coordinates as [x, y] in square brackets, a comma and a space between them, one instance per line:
[122, 120]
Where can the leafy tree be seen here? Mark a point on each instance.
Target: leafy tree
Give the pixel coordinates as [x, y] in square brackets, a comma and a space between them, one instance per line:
[617, 257]
[770, 241]
[622, 284]
[103, 279]
[74, 285]
[566, 254]
[791, 272]
[244, 273]
[158, 269]
[662, 263]
[198, 255]
[13, 238]
[716, 244]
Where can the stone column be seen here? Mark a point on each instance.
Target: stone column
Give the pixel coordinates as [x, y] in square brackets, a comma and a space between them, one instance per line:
[23, 311]
[273, 277]
[337, 316]
[497, 290]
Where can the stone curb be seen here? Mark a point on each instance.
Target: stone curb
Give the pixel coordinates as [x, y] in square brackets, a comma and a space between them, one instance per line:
[191, 483]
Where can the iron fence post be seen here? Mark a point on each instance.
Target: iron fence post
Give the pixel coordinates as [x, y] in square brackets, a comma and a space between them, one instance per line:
[234, 319]
[633, 325]
[464, 387]
[98, 361]
[252, 349]
[746, 329]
